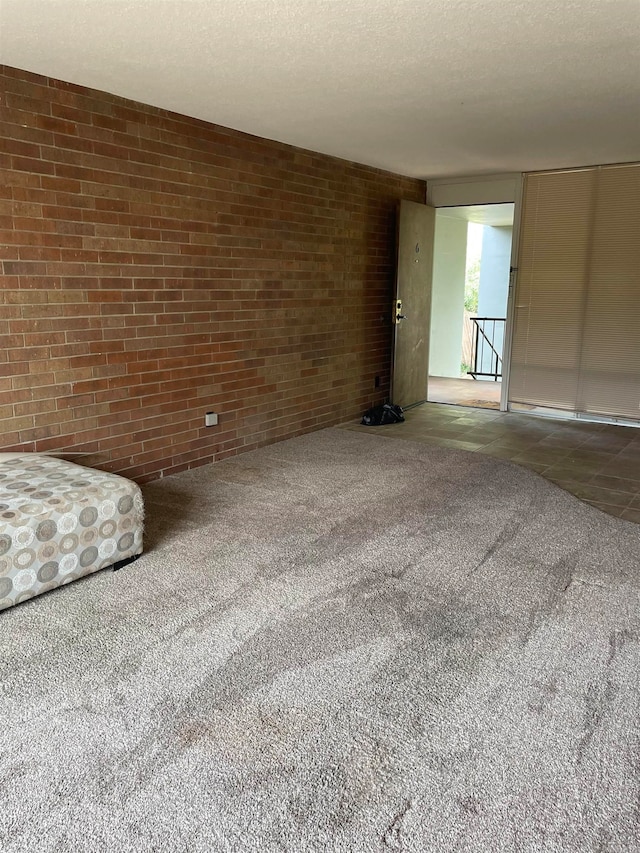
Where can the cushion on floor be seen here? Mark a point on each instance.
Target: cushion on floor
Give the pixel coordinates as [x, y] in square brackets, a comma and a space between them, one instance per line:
[60, 521]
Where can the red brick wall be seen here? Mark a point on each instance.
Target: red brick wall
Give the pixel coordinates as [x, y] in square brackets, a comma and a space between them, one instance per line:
[155, 267]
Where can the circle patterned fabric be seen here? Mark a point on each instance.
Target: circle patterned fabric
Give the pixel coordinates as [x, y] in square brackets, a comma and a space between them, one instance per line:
[60, 521]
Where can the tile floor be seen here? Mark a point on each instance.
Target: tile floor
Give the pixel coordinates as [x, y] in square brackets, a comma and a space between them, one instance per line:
[464, 392]
[599, 463]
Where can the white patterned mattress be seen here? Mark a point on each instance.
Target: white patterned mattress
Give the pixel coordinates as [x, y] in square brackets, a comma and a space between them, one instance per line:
[60, 521]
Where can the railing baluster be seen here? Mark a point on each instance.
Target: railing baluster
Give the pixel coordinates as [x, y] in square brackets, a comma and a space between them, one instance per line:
[481, 337]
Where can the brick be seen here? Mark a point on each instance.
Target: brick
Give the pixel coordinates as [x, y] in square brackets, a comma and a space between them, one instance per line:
[32, 165]
[157, 266]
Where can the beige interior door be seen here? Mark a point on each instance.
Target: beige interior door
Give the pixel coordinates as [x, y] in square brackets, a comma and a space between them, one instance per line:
[412, 305]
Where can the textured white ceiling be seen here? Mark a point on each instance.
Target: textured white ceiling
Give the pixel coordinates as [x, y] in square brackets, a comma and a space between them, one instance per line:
[427, 88]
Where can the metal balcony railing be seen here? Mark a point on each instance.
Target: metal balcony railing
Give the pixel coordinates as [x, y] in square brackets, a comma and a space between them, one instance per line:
[486, 347]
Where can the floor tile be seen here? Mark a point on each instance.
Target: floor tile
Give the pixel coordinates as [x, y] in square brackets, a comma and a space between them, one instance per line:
[589, 457]
[616, 511]
[607, 443]
[549, 455]
[625, 468]
[631, 515]
[498, 450]
[507, 439]
[587, 492]
[448, 432]
[569, 444]
[631, 452]
[569, 473]
[617, 483]
[457, 443]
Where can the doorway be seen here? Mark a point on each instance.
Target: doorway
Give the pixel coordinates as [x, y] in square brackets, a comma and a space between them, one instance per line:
[471, 266]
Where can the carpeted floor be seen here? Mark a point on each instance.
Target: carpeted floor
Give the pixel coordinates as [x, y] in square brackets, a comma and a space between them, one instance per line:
[336, 643]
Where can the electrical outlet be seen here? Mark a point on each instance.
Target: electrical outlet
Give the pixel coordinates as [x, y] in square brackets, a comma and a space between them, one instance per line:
[210, 419]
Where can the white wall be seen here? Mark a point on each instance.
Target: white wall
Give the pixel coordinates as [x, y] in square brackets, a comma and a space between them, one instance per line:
[447, 298]
[483, 189]
[493, 289]
[494, 271]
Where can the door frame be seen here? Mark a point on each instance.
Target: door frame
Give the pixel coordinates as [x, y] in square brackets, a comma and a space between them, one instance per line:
[511, 297]
[488, 189]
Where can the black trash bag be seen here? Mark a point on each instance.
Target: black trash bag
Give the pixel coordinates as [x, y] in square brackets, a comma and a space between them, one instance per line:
[380, 415]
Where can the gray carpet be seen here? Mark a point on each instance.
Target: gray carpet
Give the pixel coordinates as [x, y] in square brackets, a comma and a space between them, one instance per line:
[337, 643]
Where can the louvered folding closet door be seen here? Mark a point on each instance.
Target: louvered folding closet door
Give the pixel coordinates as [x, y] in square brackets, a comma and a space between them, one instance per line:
[610, 366]
[578, 293]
